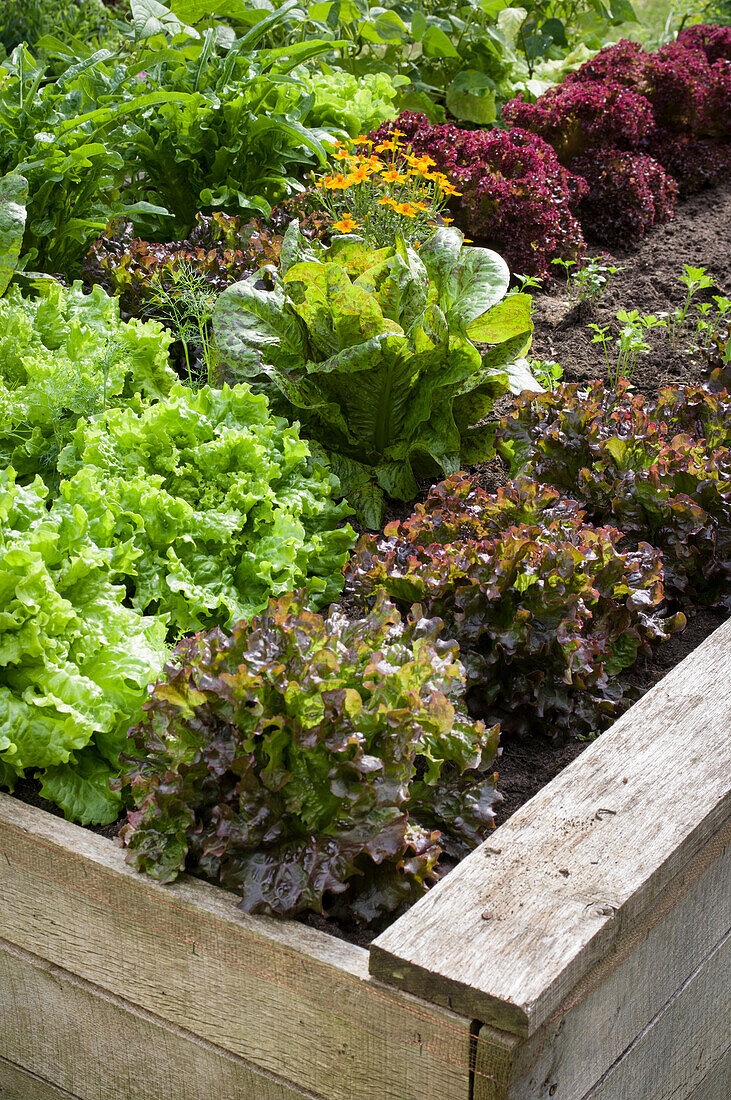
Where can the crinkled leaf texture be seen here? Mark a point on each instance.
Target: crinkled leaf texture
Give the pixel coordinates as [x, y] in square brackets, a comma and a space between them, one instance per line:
[372, 349]
[282, 761]
[74, 661]
[13, 199]
[657, 468]
[546, 608]
[65, 355]
[219, 504]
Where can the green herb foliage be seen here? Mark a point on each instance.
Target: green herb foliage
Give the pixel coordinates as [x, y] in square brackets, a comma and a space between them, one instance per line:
[282, 760]
[221, 501]
[74, 660]
[65, 355]
[374, 350]
[657, 468]
[547, 609]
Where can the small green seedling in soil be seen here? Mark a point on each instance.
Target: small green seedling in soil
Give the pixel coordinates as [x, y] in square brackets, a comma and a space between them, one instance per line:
[525, 283]
[590, 280]
[711, 319]
[631, 342]
[693, 280]
[548, 372]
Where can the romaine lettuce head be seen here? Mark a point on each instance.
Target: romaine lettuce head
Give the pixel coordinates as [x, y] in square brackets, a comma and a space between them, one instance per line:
[374, 350]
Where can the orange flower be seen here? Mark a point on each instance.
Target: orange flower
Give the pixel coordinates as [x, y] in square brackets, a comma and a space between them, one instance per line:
[386, 147]
[359, 175]
[448, 189]
[346, 224]
[386, 201]
[390, 175]
[421, 164]
[447, 221]
[406, 209]
[336, 183]
[362, 140]
[343, 154]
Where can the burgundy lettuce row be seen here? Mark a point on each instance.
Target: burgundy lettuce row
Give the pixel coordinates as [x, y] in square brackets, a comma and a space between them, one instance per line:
[575, 117]
[516, 196]
[715, 42]
[310, 762]
[658, 469]
[628, 193]
[547, 609]
[673, 105]
[692, 162]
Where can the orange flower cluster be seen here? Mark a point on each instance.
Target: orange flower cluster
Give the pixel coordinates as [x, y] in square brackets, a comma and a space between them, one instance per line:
[385, 190]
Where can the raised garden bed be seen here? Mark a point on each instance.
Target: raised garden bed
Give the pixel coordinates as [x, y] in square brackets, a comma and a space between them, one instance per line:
[582, 952]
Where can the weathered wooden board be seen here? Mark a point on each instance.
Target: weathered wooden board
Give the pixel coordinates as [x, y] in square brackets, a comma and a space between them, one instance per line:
[679, 1047]
[627, 989]
[507, 935]
[119, 1052]
[286, 998]
[17, 1084]
[717, 1082]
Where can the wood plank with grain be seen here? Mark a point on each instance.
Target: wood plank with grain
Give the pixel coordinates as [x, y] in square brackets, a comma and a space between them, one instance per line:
[287, 998]
[507, 935]
[18, 1084]
[681, 1045]
[119, 1052]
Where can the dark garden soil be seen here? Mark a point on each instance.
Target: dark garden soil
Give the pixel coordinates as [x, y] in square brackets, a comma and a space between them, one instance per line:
[700, 235]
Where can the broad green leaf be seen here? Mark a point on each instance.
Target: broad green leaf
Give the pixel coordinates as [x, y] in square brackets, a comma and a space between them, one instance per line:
[509, 318]
[435, 43]
[471, 97]
[82, 789]
[251, 328]
[13, 201]
[469, 281]
[150, 18]
[338, 314]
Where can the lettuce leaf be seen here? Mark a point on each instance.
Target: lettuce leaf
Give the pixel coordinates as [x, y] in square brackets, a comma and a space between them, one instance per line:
[210, 504]
[75, 662]
[65, 355]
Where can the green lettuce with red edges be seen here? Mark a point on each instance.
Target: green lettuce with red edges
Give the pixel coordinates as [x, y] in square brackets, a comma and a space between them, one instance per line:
[657, 468]
[547, 609]
[310, 762]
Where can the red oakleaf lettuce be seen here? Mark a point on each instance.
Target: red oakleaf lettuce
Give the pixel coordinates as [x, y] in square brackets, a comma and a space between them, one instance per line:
[546, 609]
[658, 468]
[280, 761]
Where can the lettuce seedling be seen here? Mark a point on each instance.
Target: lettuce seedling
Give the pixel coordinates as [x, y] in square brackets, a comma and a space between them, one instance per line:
[306, 761]
[374, 350]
